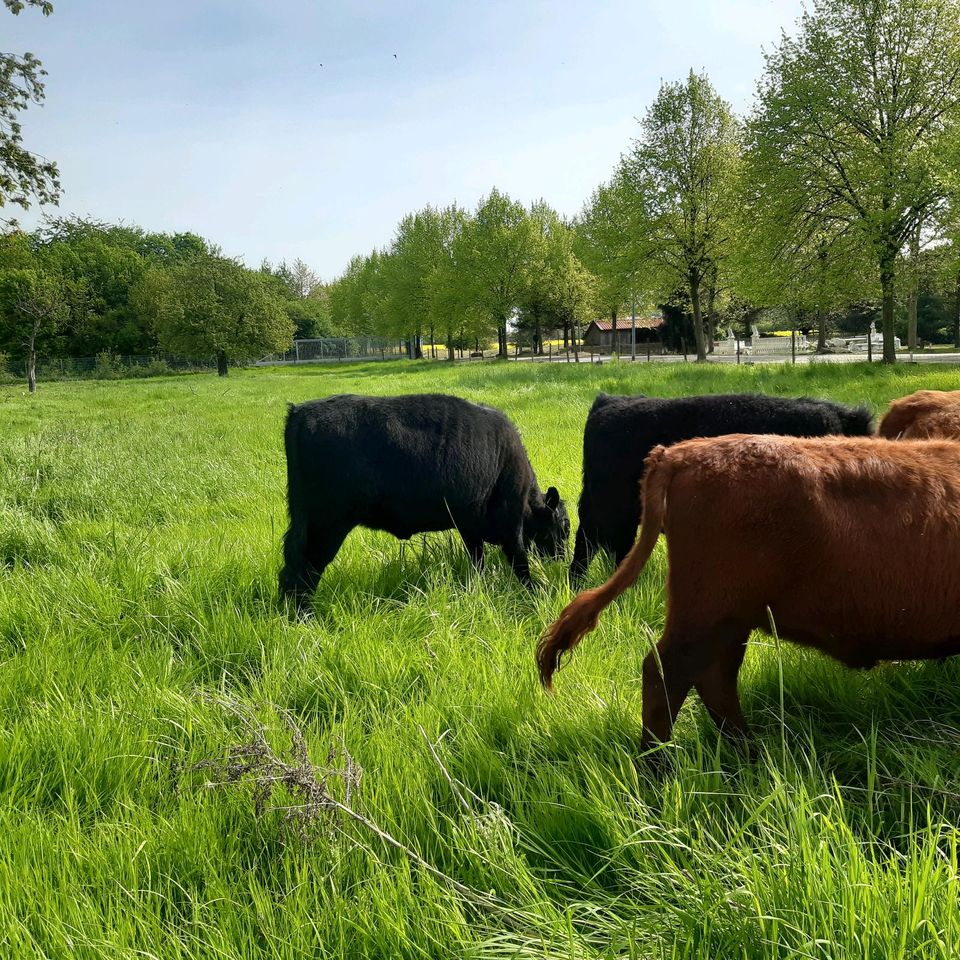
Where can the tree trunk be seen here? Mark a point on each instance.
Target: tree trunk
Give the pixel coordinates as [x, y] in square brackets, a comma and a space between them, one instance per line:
[614, 346]
[914, 293]
[711, 315]
[566, 335]
[956, 313]
[450, 346]
[821, 309]
[222, 369]
[502, 340]
[537, 336]
[697, 319]
[433, 346]
[32, 363]
[887, 277]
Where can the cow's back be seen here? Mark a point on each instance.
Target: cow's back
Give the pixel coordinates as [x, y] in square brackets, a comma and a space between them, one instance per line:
[852, 548]
[622, 430]
[923, 414]
[402, 464]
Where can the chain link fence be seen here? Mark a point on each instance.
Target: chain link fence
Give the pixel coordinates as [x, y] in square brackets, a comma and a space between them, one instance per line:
[104, 366]
[332, 349]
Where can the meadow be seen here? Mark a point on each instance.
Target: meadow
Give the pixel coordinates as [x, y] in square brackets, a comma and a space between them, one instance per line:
[141, 636]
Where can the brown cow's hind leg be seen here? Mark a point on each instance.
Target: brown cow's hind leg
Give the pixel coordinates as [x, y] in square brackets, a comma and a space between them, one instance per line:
[668, 675]
[717, 685]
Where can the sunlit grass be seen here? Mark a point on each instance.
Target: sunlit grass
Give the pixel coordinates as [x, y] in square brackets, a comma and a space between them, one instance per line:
[139, 548]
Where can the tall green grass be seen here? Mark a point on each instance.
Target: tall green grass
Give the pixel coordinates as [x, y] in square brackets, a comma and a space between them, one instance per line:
[139, 547]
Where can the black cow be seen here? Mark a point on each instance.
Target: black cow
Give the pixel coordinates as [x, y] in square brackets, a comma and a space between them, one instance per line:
[407, 465]
[621, 431]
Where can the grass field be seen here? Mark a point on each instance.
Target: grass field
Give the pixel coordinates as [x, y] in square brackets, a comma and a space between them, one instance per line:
[139, 548]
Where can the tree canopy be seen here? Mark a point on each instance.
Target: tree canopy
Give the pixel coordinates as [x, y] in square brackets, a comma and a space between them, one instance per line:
[25, 176]
[679, 185]
[853, 119]
[214, 307]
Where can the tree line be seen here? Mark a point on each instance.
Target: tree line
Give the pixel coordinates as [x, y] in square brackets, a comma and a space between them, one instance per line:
[77, 288]
[838, 192]
[836, 197]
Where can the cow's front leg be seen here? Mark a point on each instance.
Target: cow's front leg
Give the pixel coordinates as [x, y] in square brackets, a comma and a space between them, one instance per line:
[583, 553]
[474, 545]
[517, 555]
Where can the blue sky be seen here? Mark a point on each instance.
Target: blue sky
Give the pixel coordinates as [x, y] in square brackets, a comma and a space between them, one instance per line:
[216, 115]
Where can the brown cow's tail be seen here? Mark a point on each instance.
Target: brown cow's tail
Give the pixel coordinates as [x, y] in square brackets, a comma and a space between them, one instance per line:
[580, 616]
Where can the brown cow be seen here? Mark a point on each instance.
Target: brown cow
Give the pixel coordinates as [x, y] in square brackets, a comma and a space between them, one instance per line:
[924, 415]
[852, 543]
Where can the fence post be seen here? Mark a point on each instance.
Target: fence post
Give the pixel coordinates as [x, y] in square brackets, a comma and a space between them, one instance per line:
[869, 348]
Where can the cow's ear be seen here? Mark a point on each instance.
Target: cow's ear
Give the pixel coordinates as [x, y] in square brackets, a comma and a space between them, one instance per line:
[552, 499]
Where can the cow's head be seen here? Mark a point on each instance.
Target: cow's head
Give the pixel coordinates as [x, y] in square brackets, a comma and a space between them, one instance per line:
[547, 528]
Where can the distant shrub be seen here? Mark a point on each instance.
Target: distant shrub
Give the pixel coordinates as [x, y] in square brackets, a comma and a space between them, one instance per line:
[107, 367]
[155, 368]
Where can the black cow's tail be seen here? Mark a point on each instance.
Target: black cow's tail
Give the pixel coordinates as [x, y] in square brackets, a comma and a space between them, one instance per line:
[580, 616]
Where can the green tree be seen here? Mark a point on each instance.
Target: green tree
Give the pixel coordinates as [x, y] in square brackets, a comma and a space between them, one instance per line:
[299, 278]
[34, 305]
[853, 117]
[680, 180]
[102, 274]
[771, 265]
[604, 246]
[310, 315]
[214, 307]
[344, 299]
[446, 309]
[24, 176]
[415, 254]
[307, 298]
[495, 253]
[559, 289]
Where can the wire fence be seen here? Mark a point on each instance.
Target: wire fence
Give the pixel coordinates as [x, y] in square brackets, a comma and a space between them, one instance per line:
[108, 366]
[104, 366]
[333, 349]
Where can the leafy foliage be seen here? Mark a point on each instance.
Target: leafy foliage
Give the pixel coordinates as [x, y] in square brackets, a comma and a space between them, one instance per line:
[854, 118]
[465, 276]
[214, 307]
[24, 176]
[679, 184]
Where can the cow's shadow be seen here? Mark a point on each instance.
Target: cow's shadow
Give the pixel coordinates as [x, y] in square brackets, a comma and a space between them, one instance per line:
[376, 570]
[886, 741]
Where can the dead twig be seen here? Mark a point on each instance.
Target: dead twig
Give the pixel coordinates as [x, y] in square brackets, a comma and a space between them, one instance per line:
[256, 761]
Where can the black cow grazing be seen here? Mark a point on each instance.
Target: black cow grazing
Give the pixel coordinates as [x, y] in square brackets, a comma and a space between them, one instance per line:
[407, 465]
[621, 431]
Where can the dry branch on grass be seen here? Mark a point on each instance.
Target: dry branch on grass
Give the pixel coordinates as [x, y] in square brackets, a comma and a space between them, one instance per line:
[256, 761]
